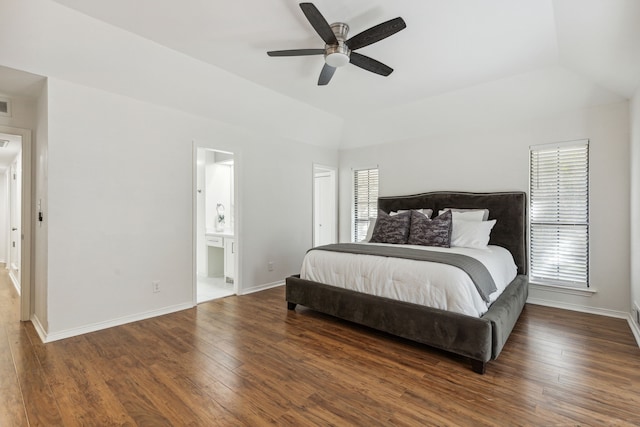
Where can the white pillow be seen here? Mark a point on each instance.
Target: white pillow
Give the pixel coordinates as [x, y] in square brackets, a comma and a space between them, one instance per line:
[464, 216]
[485, 212]
[372, 225]
[426, 212]
[471, 234]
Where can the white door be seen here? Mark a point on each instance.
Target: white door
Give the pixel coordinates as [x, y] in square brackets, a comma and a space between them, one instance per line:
[324, 206]
[14, 221]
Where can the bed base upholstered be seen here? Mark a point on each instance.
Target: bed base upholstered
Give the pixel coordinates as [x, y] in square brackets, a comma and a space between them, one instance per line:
[479, 339]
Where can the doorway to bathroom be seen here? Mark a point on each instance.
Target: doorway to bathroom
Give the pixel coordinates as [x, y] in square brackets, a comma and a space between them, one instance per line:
[216, 243]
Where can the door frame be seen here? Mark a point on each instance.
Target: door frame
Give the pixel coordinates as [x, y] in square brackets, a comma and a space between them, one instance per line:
[237, 213]
[317, 167]
[27, 294]
[15, 217]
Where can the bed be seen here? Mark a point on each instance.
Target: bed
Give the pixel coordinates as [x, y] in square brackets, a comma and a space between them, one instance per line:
[480, 339]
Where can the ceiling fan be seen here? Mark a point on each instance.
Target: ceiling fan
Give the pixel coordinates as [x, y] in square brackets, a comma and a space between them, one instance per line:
[338, 50]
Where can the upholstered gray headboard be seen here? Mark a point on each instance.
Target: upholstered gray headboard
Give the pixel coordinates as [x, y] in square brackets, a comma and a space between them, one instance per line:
[508, 208]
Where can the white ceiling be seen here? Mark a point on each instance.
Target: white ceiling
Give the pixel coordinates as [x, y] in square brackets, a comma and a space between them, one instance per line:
[448, 46]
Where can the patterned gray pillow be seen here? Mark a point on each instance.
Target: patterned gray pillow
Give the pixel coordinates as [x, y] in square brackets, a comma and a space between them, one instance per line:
[391, 229]
[430, 232]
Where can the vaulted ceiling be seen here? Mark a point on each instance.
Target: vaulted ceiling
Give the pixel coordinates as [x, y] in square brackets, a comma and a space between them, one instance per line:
[460, 65]
[448, 46]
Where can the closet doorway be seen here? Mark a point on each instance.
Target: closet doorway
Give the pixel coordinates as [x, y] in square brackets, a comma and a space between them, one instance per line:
[325, 205]
[216, 232]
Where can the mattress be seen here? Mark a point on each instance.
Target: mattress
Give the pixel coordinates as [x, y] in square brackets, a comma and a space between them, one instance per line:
[430, 284]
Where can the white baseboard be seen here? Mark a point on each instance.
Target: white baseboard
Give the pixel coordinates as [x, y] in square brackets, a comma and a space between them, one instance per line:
[261, 287]
[580, 308]
[39, 328]
[15, 282]
[68, 333]
[634, 328]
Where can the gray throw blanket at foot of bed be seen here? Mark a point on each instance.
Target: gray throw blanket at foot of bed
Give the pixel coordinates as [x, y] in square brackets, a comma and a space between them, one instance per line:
[475, 269]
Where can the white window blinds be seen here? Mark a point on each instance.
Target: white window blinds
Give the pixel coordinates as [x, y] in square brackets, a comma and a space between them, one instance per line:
[559, 214]
[365, 200]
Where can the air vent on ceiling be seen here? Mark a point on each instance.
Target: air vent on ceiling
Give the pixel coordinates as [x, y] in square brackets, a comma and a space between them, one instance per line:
[5, 107]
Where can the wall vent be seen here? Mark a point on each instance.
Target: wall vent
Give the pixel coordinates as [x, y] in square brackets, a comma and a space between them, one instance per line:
[3, 143]
[5, 107]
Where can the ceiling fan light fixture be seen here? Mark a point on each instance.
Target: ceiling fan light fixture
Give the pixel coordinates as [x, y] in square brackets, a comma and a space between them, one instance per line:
[337, 56]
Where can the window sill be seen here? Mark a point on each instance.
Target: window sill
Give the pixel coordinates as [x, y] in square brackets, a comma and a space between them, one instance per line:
[586, 292]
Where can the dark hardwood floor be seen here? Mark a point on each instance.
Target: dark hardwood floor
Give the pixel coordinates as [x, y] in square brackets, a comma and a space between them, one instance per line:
[249, 361]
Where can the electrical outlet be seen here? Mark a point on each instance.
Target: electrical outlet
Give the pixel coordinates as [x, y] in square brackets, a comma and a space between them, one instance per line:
[155, 286]
[270, 266]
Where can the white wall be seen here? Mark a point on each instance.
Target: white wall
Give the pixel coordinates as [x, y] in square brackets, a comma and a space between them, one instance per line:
[113, 166]
[118, 219]
[49, 39]
[40, 248]
[490, 105]
[498, 161]
[23, 113]
[113, 159]
[635, 203]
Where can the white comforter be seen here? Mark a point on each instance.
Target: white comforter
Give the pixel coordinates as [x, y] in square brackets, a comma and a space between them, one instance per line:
[426, 283]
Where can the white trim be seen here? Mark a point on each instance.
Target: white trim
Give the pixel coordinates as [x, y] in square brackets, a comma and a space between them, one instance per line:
[262, 287]
[194, 222]
[563, 144]
[68, 333]
[15, 282]
[576, 143]
[581, 308]
[585, 292]
[237, 213]
[26, 284]
[40, 330]
[336, 218]
[635, 329]
[352, 201]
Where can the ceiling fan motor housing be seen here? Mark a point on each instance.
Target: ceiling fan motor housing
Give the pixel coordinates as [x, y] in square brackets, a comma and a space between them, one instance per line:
[337, 55]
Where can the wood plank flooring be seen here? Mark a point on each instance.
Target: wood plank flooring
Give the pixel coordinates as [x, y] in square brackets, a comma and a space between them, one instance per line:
[249, 361]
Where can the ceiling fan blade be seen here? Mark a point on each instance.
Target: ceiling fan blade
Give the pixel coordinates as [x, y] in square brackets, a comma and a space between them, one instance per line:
[370, 64]
[375, 34]
[296, 52]
[318, 23]
[326, 74]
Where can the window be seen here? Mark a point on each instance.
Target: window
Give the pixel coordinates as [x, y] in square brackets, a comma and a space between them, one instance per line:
[365, 201]
[559, 214]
